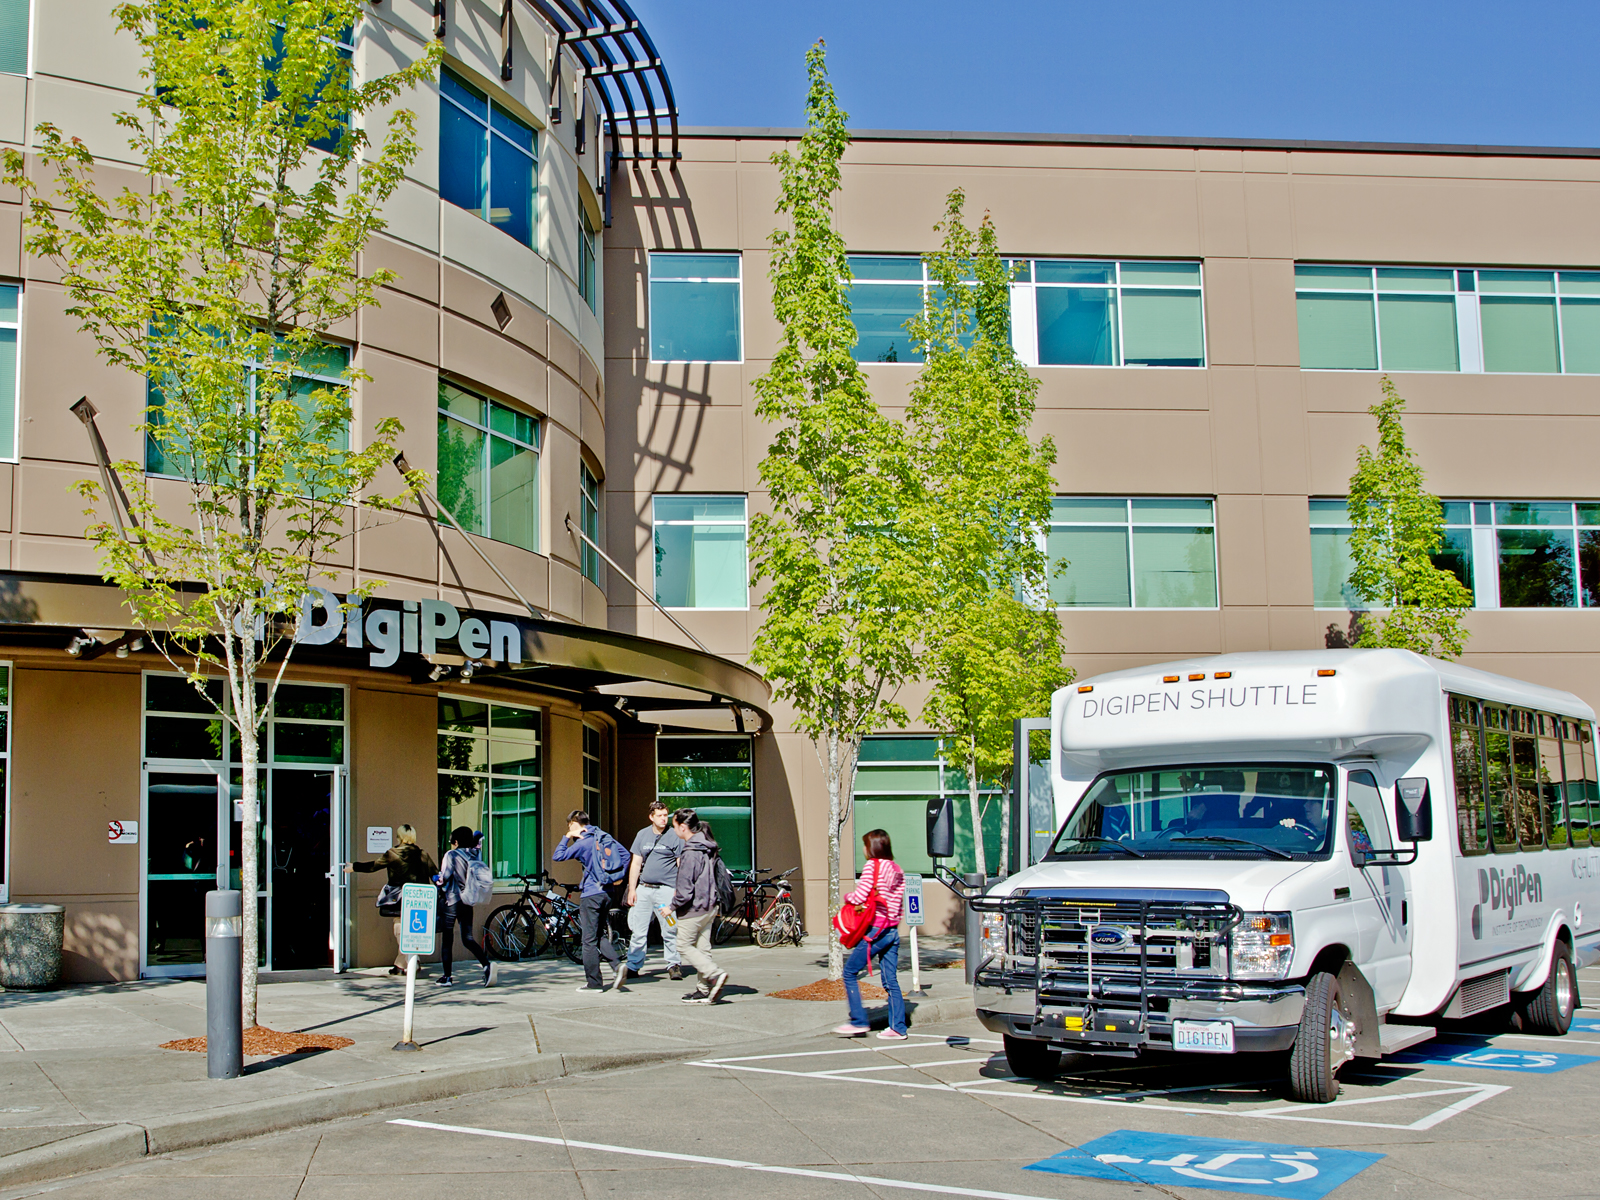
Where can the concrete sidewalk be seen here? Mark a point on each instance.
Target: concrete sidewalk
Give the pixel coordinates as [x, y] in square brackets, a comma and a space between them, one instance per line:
[84, 1084]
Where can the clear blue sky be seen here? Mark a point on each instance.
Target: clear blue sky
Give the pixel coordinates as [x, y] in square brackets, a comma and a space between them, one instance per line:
[1514, 72]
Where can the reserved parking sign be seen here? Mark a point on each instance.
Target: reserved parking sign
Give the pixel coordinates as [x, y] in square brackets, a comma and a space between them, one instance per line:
[418, 909]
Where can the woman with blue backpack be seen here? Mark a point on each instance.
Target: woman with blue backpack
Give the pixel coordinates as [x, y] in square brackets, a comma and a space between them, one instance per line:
[464, 879]
[605, 865]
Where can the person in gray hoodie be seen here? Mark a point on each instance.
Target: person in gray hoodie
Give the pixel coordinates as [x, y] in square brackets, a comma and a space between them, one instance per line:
[695, 903]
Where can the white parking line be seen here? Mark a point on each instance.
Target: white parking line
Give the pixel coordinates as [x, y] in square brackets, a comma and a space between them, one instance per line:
[736, 1164]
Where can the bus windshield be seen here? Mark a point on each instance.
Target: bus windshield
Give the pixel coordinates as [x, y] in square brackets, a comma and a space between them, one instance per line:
[1259, 810]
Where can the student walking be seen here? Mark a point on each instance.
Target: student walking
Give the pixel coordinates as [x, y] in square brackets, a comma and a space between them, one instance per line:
[406, 862]
[652, 880]
[694, 900]
[605, 864]
[884, 883]
[456, 881]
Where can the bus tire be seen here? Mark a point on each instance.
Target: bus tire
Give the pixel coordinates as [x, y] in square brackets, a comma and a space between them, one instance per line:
[1549, 1010]
[1031, 1059]
[1324, 1042]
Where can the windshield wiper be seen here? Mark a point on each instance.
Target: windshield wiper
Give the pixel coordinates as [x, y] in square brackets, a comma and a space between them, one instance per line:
[1105, 841]
[1237, 841]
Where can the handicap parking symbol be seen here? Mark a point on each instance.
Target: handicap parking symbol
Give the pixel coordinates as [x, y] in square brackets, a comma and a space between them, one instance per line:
[419, 920]
[1493, 1058]
[1218, 1164]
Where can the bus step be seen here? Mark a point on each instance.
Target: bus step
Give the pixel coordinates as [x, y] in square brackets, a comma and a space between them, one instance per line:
[1394, 1038]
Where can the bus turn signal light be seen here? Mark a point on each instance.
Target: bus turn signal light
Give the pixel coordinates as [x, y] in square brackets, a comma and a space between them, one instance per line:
[1326, 672]
[1223, 675]
[1169, 679]
[1088, 687]
[1197, 676]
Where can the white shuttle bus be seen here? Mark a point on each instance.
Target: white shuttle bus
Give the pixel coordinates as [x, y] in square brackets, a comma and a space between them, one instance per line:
[1287, 851]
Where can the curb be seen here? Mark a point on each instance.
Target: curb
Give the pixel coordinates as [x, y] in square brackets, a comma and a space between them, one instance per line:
[119, 1145]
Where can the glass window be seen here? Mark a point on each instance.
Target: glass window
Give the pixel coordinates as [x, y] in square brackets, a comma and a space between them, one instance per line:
[711, 775]
[10, 333]
[588, 255]
[589, 522]
[700, 552]
[14, 36]
[1366, 825]
[593, 770]
[5, 774]
[1141, 553]
[1466, 738]
[489, 466]
[1136, 314]
[306, 724]
[1331, 562]
[1550, 781]
[324, 369]
[885, 292]
[488, 159]
[490, 779]
[694, 308]
[896, 779]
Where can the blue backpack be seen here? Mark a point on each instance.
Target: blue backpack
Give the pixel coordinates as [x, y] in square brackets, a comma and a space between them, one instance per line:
[611, 857]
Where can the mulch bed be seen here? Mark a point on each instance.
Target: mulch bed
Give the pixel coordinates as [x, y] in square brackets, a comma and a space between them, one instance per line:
[830, 989]
[259, 1040]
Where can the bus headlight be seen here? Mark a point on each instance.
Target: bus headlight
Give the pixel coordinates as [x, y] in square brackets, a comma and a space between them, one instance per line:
[1263, 946]
[992, 937]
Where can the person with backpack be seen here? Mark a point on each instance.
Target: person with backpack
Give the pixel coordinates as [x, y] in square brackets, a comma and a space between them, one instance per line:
[464, 880]
[704, 888]
[652, 880]
[605, 865]
[405, 862]
[882, 885]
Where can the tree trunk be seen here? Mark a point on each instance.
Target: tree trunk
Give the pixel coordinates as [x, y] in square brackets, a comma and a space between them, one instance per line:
[979, 864]
[1003, 867]
[835, 816]
[249, 884]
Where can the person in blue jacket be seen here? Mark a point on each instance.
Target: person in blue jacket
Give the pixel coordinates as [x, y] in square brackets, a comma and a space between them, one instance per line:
[594, 901]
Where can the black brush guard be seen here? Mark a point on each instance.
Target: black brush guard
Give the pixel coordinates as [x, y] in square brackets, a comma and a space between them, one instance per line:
[1112, 1008]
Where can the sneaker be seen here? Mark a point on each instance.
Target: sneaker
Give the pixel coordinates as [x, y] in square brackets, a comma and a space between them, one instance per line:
[488, 974]
[715, 984]
[591, 988]
[674, 972]
[621, 975]
[698, 996]
[889, 1035]
[444, 981]
[396, 971]
[849, 1030]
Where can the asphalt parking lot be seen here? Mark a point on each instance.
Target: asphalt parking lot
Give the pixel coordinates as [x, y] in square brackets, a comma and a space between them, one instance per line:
[1472, 1114]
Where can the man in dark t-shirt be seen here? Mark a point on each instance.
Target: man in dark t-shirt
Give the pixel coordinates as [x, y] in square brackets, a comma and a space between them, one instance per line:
[652, 878]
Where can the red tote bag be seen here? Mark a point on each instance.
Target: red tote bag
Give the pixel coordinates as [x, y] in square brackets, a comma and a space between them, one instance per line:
[853, 920]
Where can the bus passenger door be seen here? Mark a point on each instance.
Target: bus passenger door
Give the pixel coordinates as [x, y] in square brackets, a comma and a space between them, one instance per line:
[1378, 894]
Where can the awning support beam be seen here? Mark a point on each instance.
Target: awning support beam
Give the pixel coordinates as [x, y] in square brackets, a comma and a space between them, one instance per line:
[612, 563]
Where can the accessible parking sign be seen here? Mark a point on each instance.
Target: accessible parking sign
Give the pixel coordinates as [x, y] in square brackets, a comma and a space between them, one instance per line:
[1219, 1164]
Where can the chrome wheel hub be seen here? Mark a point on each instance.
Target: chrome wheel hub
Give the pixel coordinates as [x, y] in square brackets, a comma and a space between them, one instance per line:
[1341, 1040]
[1563, 987]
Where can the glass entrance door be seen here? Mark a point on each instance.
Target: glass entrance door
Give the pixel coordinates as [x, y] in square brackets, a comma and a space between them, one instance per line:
[184, 824]
[300, 851]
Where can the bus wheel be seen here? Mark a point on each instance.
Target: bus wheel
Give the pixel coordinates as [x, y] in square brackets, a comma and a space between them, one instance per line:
[1550, 1009]
[1325, 1042]
[1031, 1059]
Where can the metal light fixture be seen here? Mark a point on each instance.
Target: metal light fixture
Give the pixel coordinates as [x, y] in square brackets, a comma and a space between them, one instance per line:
[78, 645]
[466, 671]
[438, 673]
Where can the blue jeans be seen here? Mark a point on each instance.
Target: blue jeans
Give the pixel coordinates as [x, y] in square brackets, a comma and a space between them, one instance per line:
[886, 948]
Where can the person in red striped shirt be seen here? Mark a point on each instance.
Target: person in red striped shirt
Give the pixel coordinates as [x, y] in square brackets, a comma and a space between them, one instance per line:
[883, 876]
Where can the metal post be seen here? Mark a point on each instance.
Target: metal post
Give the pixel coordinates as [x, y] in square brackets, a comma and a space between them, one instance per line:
[224, 1002]
[974, 941]
[916, 963]
[407, 1042]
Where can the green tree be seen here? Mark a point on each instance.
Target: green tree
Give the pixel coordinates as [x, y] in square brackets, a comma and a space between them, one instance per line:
[846, 581]
[993, 653]
[1397, 526]
[217, 279]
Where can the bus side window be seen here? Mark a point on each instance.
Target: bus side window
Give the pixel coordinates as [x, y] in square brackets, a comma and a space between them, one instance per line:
[1467, 751]
[1525, 792]
[1550, 781]
[1497, 785]
[1367, 826]
[1591, 788]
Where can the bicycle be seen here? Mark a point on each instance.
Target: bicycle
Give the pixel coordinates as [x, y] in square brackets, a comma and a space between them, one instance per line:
[536, 921]
[767, 922]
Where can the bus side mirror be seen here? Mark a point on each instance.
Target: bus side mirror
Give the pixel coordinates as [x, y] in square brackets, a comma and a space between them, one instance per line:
[941, 828]
[1413, 809]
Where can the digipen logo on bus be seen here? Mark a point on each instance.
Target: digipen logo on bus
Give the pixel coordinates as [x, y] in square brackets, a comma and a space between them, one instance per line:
[1505, 890]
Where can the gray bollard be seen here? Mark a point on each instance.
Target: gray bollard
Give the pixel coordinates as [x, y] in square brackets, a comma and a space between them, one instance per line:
[224, 1004]
[973, 944]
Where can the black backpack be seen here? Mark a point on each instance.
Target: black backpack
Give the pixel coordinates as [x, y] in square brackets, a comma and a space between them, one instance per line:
[727, 900]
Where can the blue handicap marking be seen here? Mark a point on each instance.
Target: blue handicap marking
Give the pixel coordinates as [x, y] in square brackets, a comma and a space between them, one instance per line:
[419, 920]
[914, 904]
[1220, 1164]
[1486, 1057]
[1588, 1026]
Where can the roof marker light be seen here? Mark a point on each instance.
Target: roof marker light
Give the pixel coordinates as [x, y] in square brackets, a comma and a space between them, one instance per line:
[1088, 687]
[1327, 673]
[1197, 676]
[1169, 679]
[1223, 675]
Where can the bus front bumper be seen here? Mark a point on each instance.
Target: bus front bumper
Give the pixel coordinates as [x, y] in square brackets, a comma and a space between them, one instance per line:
[1265, 1017]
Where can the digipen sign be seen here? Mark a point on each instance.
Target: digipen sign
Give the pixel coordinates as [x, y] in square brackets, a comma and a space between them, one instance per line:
[416, 627]
[1257, 696]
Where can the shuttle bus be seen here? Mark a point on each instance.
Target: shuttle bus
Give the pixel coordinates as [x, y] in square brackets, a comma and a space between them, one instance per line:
[1319, 853]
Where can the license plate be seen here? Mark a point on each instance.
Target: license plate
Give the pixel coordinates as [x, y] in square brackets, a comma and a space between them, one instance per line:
[1203, 1037]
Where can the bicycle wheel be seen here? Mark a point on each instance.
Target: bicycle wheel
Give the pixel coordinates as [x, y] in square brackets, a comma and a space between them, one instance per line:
[570, 936]
[508, 935]
[721, 930]
[778, 926]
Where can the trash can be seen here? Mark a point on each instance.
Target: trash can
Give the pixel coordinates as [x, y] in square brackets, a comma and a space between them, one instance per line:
[30, 945]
